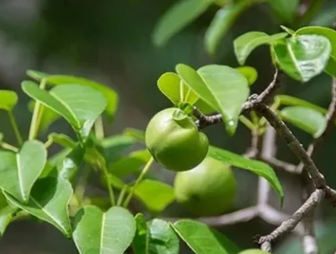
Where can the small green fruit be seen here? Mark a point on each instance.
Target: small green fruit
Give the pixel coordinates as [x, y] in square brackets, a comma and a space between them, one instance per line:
[174, 141]
[253, 251]
[207, 189]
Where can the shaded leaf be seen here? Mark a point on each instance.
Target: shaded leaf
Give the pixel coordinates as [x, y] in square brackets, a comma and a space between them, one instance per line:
[18, 172]
[285, 10]
[306, 119]
[155, 195]
[246, 43]
[257, 167]
[172, 87]
[79, 105]
[130, 164]
[8, 99]
[49, 202]
[68, 167]
[181, 14]
[222, 22]
[202, 239]
[62, 140]
[204, 107]
[303, 57]
[139, 135]
[97, 232]
[221, 87]
[249, 73]
[331, 35]
[36, 75]
[6, 213]
[155, 237]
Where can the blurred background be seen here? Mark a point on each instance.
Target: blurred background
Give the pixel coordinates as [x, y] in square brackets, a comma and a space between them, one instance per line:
[111, 41]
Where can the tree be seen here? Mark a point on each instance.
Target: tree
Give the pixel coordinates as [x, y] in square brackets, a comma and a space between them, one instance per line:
[52, 188]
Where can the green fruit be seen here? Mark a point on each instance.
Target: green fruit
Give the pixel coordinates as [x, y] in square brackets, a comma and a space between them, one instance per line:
[206, 190]
[253, 251]
[174, 141]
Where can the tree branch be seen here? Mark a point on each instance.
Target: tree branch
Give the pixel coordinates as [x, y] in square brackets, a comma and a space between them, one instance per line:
[288, 225]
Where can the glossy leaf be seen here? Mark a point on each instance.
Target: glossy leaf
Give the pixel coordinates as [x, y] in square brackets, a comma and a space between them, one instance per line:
[110, 95]
[96, 232]
[257, 167]
[79, 105]
[49, 202]
[130, 164]
[48, 116]
[181, 14]
[6, 213]
[155, 195]
[304, 56]
[249, 73]
[171, 86]
[68, 167]
[246, 43]
[284, 9]
[306, 119]
[8, 99]
[221, 87]
[155, 237]
[201, 239]
[222, 22]
[18, 172]
[331, 35]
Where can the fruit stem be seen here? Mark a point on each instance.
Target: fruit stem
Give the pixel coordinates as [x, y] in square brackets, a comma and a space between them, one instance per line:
[138, 180]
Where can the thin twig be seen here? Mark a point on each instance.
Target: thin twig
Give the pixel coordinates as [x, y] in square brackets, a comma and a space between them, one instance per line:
[288, 225]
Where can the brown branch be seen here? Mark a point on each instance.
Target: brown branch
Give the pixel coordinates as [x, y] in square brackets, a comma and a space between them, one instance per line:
[288, 225]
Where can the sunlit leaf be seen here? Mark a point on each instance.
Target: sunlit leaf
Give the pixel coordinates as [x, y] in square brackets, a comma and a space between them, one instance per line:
[246, 43]
[97, 232]
[8, 99]
[49, 202]
[18, 172]
[306, 119]
[304, 56]
[203, 240]
[249, 73]
[181, 14]
[221, 87]
[257, 167]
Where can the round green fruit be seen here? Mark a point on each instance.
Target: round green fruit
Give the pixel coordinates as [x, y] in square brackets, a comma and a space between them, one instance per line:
[174, 141]
[253, 251]
[207, 189]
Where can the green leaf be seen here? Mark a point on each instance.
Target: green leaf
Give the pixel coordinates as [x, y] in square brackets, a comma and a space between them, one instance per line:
[18, 172]
[202, 239]
[221, 87]
[155, 195]
[171, 86]
[306, 119]
[48, 116]
[36, 75]
[222, 22]
[139, 135]
[6, 213]
[79, 105]
[293, 101]
[49, 202]
[304, 56]
[249, 73]
[204, 107]
[97, 232]
[181, 14]
[68, 167]
[331, 35]
[284, 9]
[257, 167]
[155, 237]
[130, 164]
[246, 43]
[110, 95]
[8, 99]
[62, 140]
